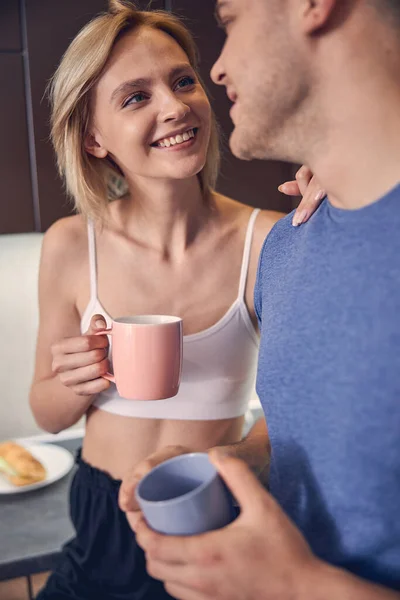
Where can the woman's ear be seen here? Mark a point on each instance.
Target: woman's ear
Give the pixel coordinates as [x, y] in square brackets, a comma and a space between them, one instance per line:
[94, 147]
[315, 14]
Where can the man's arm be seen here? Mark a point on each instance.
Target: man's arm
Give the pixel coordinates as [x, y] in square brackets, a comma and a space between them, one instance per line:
[260, 556]
[330, 583]
[254, 449]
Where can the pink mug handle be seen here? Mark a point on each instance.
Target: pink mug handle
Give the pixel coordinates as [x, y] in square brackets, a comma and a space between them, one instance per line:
[108, 376]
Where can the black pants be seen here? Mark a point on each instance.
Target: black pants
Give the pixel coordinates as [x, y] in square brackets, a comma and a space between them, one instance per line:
[103, 561]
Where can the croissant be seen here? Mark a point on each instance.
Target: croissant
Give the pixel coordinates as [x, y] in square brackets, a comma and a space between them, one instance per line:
[19, 466]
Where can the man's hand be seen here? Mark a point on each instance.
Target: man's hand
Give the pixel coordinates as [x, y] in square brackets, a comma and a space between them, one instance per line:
[261, 555]
[127, 500]
[254, 449]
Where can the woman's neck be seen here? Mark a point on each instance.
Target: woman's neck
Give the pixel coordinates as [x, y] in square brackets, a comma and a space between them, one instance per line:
[165, 216]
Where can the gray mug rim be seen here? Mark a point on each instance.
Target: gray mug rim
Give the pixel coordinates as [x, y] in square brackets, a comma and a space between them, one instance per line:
[183, 496]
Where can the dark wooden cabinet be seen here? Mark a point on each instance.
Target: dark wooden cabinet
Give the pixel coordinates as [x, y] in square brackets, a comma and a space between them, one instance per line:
[10, 29]
[16, 202]
[33, 36]
[50, 28]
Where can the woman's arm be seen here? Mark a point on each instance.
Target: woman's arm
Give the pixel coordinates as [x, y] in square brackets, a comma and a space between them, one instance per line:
[60, 347]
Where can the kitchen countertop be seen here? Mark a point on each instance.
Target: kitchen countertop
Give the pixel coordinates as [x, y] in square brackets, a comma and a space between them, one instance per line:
[34, 526]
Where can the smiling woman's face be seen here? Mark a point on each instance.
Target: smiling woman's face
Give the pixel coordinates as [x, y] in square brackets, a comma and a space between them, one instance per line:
[149, 111]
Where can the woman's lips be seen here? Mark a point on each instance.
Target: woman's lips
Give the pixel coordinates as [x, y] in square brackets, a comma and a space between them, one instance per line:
[182, 145]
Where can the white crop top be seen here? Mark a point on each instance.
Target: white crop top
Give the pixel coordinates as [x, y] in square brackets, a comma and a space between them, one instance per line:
[219, 363]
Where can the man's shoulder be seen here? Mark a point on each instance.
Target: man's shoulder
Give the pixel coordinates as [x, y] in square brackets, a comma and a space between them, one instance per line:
[282, 235]
[283, 227]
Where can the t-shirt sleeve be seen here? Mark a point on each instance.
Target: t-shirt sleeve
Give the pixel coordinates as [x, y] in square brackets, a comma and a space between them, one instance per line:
[258, 285]
[272, 248]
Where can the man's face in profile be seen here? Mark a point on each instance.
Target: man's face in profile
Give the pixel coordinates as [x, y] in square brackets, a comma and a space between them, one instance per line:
[261, 66]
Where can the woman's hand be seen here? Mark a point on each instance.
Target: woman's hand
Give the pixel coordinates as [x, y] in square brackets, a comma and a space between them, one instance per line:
[81, 361]
[305, 185]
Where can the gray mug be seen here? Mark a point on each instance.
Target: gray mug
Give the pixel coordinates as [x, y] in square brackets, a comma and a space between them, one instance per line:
[185, 496]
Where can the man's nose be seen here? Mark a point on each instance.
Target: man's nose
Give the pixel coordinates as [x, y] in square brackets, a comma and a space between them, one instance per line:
[217, 72]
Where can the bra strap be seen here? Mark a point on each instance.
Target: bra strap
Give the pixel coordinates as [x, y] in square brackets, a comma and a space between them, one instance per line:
[92, 259]
[246, 253]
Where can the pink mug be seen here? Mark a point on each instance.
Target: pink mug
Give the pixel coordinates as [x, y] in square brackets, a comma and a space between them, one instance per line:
[146, 356]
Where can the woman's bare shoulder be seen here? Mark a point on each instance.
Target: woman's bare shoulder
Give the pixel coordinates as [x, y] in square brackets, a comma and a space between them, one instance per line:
[266, 219]
[263, 225]
[66, 231]
[64, 244]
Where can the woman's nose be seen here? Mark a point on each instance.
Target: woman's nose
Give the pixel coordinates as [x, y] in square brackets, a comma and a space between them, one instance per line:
[173, 109]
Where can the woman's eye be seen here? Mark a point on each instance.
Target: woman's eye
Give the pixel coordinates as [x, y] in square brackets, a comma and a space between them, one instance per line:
[185, 81]
[135, 99]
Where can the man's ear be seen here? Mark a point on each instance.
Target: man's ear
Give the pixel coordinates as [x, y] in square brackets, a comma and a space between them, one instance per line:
[315, 14]
[94, 147]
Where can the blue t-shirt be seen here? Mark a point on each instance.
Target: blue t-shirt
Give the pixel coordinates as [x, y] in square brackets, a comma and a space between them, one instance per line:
[328, 300]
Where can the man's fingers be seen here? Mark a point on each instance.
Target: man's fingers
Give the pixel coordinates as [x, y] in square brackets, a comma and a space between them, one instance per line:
[171, 549]
[185, 575]
[133, 518]
[127, 500]
[180, 592]
[245, 487]
[126, 496]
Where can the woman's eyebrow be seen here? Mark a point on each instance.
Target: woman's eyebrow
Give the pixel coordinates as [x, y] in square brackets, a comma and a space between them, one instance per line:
[128, 86]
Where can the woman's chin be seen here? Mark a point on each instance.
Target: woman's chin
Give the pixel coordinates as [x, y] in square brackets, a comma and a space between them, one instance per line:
[185, 171]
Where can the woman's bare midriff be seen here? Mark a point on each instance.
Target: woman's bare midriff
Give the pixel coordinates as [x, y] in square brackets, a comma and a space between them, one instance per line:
[115, 444]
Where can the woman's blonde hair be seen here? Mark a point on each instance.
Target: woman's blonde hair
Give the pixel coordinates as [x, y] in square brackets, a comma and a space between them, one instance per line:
[90, 181]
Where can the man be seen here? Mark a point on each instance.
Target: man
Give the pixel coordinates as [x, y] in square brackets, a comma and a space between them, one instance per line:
[314, 82]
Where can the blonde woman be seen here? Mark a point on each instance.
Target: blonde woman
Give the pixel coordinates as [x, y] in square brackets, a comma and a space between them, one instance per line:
[128, 105]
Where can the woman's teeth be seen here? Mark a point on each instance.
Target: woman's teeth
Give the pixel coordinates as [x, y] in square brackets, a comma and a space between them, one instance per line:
[177, 139]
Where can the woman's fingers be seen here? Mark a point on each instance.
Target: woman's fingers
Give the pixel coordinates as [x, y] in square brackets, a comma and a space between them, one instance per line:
[96, 322]
[303, 178]
[89, 388]
[83, 343]
[66, 362]
[312, 198]
[290, 188]
[84, 374]
[307, 186]
[298, 186]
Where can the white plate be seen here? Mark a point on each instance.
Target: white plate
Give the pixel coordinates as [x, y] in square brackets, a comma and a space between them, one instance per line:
[56, 460]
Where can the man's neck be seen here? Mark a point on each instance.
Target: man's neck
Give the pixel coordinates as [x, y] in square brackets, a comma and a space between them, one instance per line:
[356, 153]
[358, 164]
